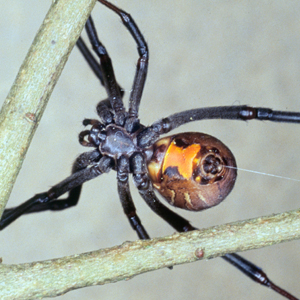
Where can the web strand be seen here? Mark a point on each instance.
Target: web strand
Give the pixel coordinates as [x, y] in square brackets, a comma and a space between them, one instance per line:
[265, 174]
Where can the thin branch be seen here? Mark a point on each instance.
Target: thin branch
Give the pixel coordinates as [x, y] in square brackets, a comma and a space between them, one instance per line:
[55, 277]
[19, 118]
[28, 97]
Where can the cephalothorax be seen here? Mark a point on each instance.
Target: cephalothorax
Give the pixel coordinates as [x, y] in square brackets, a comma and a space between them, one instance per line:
[193, 171]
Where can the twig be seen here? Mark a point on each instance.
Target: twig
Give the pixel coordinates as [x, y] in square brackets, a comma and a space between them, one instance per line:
[58, 276]
[29, 95]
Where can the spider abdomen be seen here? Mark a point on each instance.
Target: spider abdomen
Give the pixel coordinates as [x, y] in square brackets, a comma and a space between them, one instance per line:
[193, 171]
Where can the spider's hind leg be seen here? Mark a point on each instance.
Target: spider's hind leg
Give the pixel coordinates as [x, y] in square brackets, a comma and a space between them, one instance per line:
[126, 200]
[145, 188]
[182, 225]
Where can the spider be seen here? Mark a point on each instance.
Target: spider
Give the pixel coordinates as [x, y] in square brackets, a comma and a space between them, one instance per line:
[138, 145]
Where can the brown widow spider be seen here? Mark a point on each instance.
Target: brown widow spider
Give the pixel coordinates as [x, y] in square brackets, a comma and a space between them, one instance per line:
[94, 136]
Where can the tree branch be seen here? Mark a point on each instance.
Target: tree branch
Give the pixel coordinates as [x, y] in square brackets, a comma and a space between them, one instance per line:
[55, 277]
[19, 119]
[28, 97]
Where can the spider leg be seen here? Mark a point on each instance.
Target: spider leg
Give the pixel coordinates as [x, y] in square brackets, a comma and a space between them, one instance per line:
[90, 59]
[104, 111]
[94, 135]
[72, 184]
[141, 67]
[182, 225]
[104, 108]
[110, 83]
[242, 113]
[126, 199]
[92, 62]
[145, 188]
[255, 273]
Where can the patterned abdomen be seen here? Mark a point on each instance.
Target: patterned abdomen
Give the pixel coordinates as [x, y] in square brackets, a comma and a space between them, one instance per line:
[192, 170]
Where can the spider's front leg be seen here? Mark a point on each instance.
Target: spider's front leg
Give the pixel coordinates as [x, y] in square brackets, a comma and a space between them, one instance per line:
[132, 122]
[105, 68]
[104, 108]
[48, 200]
